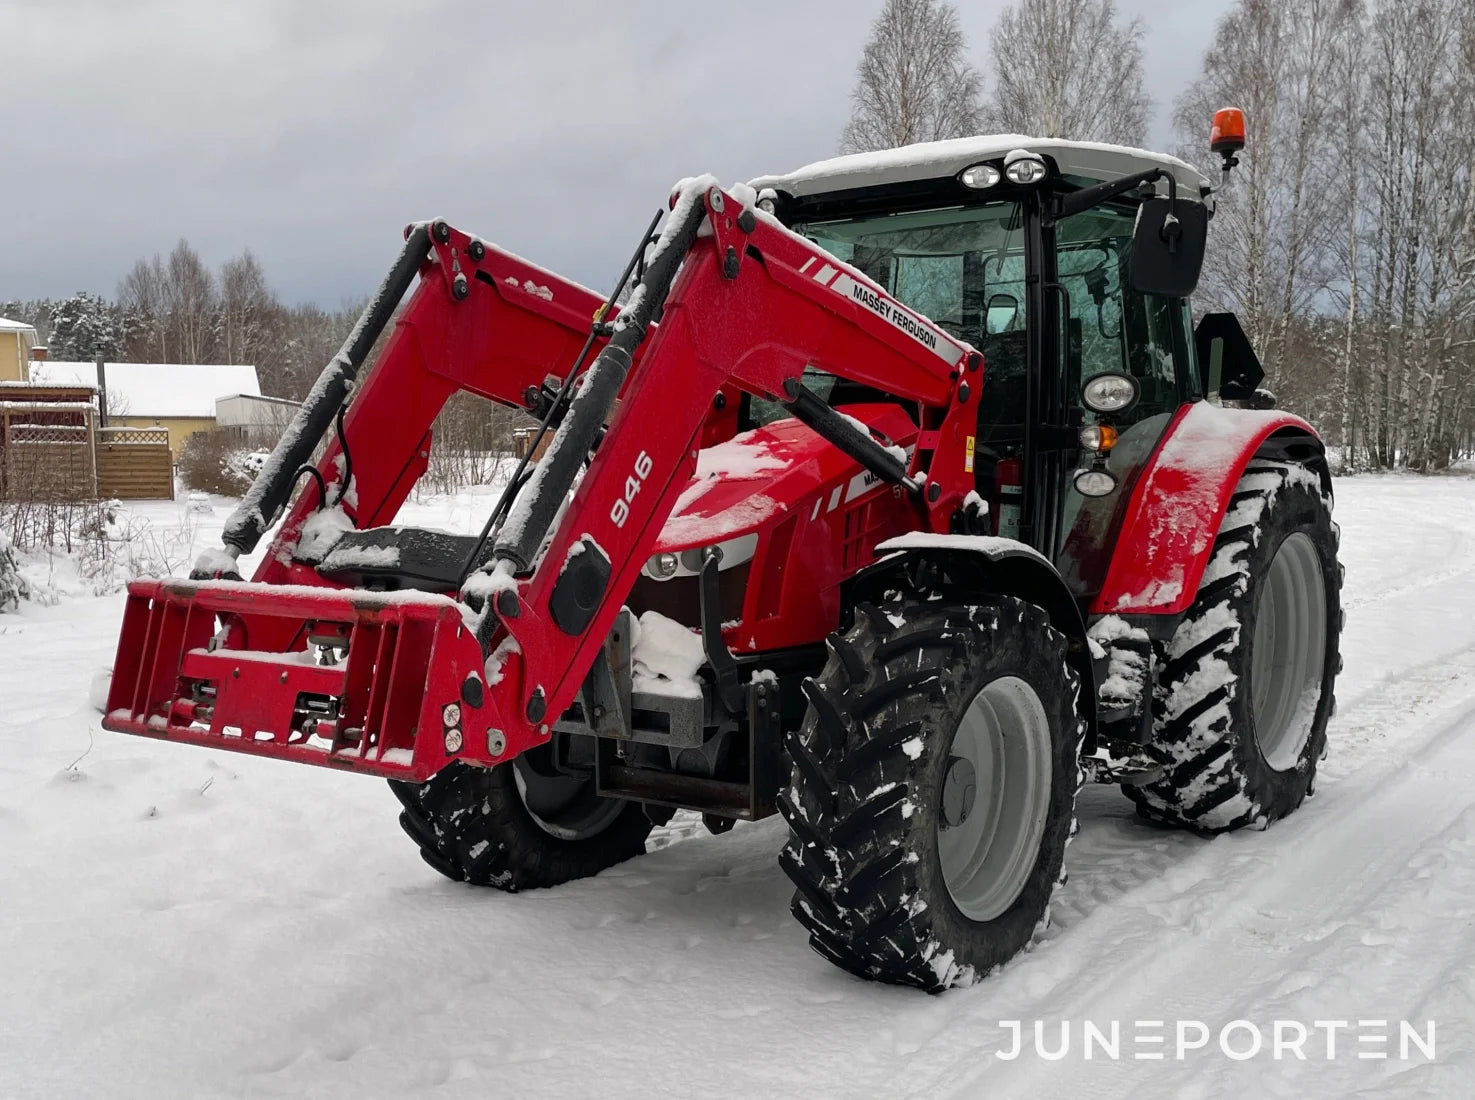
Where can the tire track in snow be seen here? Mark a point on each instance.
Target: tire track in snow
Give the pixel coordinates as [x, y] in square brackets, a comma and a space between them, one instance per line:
[1141, 902]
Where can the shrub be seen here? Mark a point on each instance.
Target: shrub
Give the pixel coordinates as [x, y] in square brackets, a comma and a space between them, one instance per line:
[12, 587]
[216, 462]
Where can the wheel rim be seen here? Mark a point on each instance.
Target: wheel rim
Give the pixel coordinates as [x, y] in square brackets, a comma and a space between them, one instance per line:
[563, 806]
[987, 857]
[1289, 651]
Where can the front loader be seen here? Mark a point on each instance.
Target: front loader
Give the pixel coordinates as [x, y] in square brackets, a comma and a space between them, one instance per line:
[900, 496]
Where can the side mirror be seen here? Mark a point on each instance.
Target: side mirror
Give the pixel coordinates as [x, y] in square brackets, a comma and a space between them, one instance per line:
[1168, 247]
[1001, 312]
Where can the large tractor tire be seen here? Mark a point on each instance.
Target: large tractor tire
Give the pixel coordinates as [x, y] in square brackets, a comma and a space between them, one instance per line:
[519, 825]
[933, 789]
[1245, 687]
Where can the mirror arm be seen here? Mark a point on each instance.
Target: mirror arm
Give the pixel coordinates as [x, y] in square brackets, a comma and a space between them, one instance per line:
[1078, 202]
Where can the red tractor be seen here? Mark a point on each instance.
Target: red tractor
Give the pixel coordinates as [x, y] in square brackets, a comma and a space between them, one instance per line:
[901, 496]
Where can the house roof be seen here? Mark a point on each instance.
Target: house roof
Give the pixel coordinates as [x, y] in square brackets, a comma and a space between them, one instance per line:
[155, 389]
[7, 325]
[932, 159]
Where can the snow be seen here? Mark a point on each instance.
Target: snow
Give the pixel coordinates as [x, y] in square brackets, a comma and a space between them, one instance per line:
[320, 531]
[486, 583]
[746, 514]
[743, 457]
[1127, 669]
[214, 560]
[497, 662]
[182, 922]
[932, 159]
[992, 545]
[155, 389]
[894, 450]
[666, 657]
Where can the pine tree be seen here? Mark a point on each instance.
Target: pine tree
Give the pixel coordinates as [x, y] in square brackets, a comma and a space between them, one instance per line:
[84, 327]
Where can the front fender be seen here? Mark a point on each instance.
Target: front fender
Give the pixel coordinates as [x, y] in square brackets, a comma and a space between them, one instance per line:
[1179, 500]
[1000, 566]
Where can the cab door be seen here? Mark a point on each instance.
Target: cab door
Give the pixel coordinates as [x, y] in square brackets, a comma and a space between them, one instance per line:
[1104, 326]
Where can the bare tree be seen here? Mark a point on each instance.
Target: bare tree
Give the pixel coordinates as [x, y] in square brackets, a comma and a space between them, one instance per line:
[248, 310]
[143, 296]
[192, 303]
[1273, 239]
[914, 82]
[1068, 68]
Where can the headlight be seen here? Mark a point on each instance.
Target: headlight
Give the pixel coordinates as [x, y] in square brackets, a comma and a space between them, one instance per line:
[688, 563]
[980, 176]
[1025, 168]
[1110, 393]
[1094, 483]
[662, 566]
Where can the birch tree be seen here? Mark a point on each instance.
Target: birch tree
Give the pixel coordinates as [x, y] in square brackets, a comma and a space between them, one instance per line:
[247, 309]
[914, 82]
[192, 304]
[1069, 69]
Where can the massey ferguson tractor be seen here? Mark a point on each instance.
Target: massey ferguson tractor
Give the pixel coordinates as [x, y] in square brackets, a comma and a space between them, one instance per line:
[901, 495]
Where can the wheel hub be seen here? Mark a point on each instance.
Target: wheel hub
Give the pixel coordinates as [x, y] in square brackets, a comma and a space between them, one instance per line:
[563, 806]
[994, 798]
[1289, 651]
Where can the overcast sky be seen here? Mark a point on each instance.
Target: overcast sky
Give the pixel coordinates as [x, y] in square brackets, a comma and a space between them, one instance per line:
[311, 131]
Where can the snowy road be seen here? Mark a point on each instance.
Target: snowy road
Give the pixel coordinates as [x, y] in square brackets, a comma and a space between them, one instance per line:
[183, 923]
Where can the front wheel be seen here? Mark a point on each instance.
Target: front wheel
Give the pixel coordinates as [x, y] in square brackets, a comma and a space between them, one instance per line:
[933, 790]
[518, 825]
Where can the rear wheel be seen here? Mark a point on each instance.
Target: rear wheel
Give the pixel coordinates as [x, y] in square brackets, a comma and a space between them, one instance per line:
[1245, 691]
[933, 790]
[520, 825]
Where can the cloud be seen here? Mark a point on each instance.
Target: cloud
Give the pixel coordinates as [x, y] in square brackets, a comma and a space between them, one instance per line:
[311, 132]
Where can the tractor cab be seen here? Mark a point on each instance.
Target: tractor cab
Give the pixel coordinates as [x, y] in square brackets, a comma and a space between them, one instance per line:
[1069, 266]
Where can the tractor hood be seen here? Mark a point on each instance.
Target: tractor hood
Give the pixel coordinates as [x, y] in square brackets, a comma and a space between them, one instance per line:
[764, 474]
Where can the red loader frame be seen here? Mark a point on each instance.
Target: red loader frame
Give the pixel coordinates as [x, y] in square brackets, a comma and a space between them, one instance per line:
[229, 664]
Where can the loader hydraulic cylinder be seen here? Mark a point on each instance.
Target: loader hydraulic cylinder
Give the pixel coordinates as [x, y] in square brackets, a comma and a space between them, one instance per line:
[537, 506]
[268, 495]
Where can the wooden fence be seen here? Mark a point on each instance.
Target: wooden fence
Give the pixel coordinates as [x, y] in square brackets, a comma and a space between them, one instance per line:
[57, 462]
[134, 464]
[46, 462]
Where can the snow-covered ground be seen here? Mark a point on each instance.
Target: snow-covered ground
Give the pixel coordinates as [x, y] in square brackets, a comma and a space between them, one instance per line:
[182, 923]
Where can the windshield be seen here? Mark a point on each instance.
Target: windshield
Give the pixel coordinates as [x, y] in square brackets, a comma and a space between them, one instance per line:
[942, 263]
[960, 266]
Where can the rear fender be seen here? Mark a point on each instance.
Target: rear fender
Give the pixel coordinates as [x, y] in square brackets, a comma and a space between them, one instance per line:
[1180, 499]
[996, 566]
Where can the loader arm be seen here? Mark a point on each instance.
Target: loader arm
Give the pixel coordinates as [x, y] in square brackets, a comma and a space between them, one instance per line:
[753, 307]
[422, 680]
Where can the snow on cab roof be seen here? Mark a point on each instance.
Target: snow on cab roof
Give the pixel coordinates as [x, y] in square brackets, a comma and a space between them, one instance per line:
[935, 159]
[156, 389]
